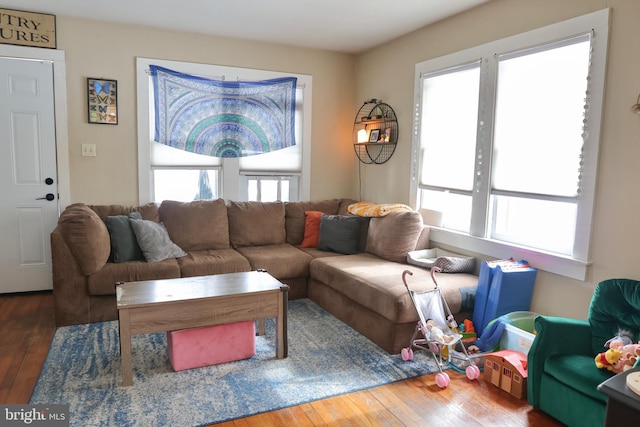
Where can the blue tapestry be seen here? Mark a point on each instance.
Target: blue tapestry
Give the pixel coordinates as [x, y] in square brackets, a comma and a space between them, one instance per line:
[223, 118]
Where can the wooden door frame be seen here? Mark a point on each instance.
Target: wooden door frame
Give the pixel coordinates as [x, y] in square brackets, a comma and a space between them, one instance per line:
[57, 57]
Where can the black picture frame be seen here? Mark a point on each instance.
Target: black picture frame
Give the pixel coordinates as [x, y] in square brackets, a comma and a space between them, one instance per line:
[102, 101]
[374, 135]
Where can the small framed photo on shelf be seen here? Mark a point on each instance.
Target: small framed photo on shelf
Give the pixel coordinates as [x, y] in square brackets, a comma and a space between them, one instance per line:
[374, 135]
[387, 134]
[102, 96]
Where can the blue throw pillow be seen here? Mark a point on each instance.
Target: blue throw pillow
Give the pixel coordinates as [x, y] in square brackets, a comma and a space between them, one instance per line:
[124, 245]
[339, 233]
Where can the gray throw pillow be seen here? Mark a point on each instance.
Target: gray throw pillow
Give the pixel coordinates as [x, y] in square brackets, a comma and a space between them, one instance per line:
[339, 233]
[124, 245]
[154, 241]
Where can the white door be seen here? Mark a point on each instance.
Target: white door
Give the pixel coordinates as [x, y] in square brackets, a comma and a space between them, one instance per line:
[28, 178]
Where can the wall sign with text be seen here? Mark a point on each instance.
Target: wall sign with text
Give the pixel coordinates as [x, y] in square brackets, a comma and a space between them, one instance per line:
[27, 28]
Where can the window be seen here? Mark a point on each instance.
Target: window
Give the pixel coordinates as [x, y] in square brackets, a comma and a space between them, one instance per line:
[506, 139]
[168, 173]
[271, 188]
[448, 135]
[185, 185]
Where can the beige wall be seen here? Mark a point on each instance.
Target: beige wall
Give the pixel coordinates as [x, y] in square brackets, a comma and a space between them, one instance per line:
[341, 83]
[99, 49]
[388, 72]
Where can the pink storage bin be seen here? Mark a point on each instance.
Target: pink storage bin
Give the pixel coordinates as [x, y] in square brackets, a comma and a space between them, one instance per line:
[211, 345]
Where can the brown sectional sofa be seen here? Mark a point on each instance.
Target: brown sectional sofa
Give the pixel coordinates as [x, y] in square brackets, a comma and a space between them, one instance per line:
[365, 289]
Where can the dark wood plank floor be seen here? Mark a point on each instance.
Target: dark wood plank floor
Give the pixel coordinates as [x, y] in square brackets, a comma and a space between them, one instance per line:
[27, 326]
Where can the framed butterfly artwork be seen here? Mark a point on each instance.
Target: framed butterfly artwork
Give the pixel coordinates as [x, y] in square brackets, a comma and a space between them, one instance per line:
[102, 96]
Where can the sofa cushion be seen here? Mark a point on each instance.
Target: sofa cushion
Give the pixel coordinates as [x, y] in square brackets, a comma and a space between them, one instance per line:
[423, 241]
[124, 245]
[377, 284]
[148, 211]
[104, 281]
[281, 261]
[87, 237]
[317, 253]
[340, 233]
[295, 216]
[311, 229]
[393, 236]
[343, 209]
[197, 225]
[212, 261]
[256, 223]
[154, 241]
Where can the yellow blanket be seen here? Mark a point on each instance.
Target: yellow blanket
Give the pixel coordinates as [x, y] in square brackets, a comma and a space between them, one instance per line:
[368, 209]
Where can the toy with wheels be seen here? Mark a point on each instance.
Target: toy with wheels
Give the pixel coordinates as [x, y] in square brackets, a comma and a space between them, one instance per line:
[407, 354]
[442, 379]
[473, 372]
[436, 333]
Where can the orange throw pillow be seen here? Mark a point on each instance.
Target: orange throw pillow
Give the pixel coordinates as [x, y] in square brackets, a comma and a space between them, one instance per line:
[311, 229]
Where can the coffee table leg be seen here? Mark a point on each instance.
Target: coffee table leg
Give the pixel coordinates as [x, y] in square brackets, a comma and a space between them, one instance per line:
[282, 344]
[125, 348]
[262, 327]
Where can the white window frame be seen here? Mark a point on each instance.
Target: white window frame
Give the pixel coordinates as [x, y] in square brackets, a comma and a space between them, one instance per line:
[570, 266]
[231, 177]
[260, 179]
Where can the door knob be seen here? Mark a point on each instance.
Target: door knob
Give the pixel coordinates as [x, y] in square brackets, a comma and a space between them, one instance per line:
[48, 197]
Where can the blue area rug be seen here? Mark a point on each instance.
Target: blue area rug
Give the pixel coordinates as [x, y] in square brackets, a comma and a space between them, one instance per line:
[326, 358]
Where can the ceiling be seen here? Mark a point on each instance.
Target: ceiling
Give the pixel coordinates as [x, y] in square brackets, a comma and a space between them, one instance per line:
[351, 26]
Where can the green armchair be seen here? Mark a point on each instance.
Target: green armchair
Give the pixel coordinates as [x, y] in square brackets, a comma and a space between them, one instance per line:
[562, 375]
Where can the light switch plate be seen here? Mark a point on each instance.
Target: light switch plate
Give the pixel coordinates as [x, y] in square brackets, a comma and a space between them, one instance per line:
[88, 150]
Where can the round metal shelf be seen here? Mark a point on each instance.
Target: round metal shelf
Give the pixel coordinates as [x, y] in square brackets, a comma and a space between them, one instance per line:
[377, 125]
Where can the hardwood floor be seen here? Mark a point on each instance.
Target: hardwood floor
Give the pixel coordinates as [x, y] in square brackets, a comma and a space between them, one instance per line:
[27, 326]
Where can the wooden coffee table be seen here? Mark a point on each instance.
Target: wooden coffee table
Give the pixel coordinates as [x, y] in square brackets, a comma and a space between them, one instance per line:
[172, 304]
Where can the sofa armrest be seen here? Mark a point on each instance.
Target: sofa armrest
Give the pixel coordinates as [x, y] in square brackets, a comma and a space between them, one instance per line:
[86, 236]
[554, 335]
[70, 286]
